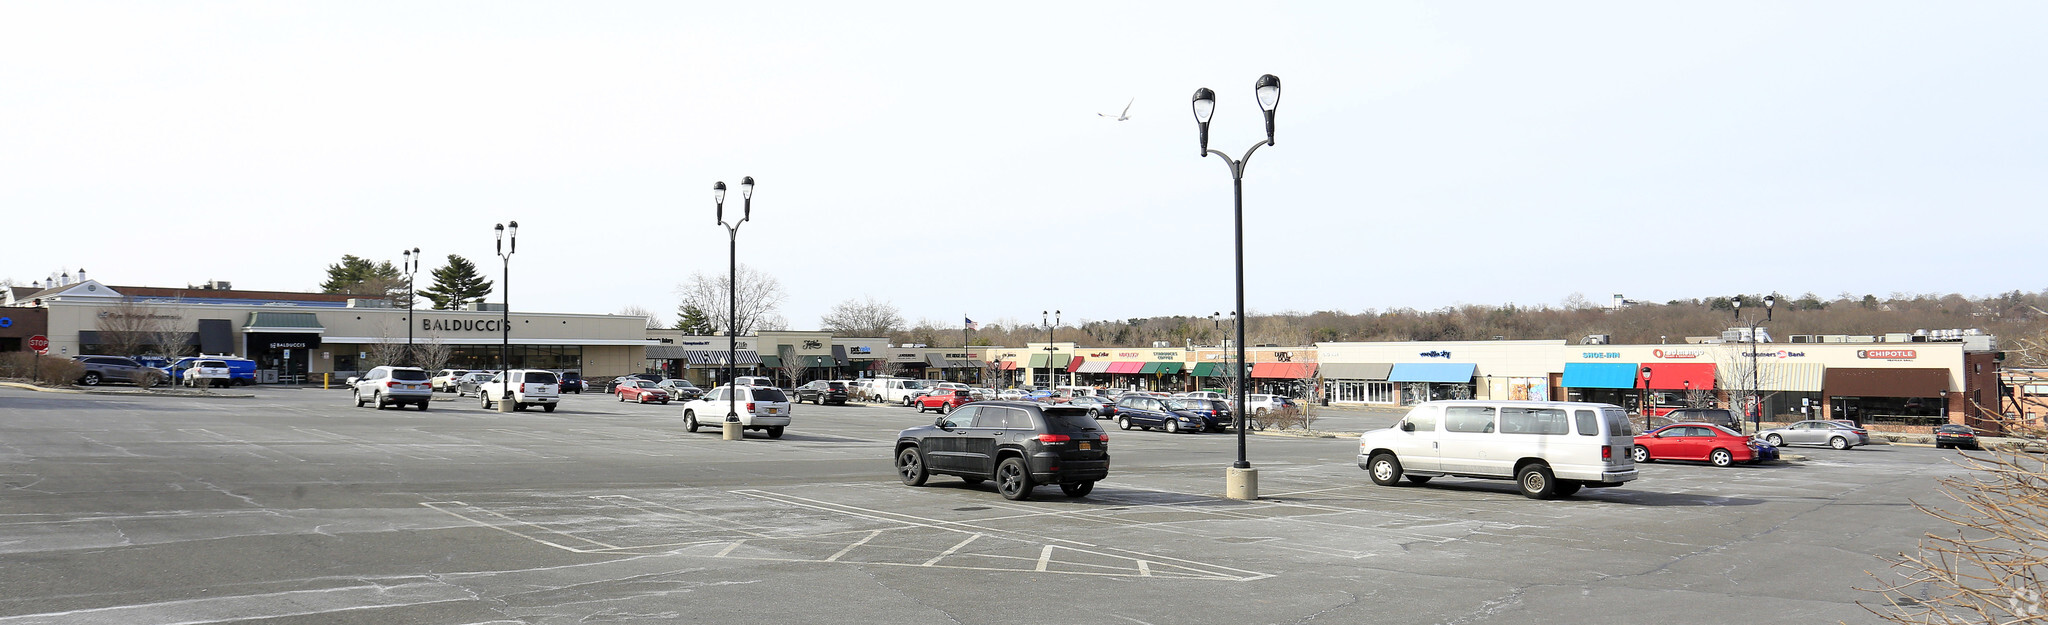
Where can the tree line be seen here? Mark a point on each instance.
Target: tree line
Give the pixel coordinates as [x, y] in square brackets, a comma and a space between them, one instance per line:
[456, 282]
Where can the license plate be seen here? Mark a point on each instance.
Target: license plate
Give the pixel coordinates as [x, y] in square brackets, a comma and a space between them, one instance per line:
[771, 411]
[1087, 445]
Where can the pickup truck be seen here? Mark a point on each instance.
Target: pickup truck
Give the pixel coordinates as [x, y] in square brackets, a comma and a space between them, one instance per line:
[530, 387]
[206, 373]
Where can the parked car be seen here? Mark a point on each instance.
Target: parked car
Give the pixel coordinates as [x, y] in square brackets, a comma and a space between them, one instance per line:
[680, 389]
[982, 393]
[759, 408]
[1150, 412]
[529, 387]
[1011, 394]
[895, 390]
[241, 371]
[1020, 445]
[945, 400]
[1817, 432]
[642, 391]
[1258, 404]
[1956, 436]
[822, 392]
[1550, 449]
[1216, 413]
[1205, 395]
[444, 380]
[755, 380]
[1098, 407]
[469, 382]
[1709, 442]
[1716, 416]
[571, 381]
[100, 369]
[612, 386]
[205, 373]
[393, 386]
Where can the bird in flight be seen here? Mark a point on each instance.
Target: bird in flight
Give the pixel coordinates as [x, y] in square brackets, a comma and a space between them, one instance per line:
[1120, 116]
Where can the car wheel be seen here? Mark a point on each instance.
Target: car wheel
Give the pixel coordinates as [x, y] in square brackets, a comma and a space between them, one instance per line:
[1013, 480]
[642, 399]
[1094, 413]
[549, 408]
[1172, 426]
[1721, 458]
[690, 420]
[622, 398]
[357, 396]
[1640, 454]
[1838, 443]
[423, 406]
[1077, 489]
[486, 399]
[92, 378]
[1567, 488]
[664, 402]
[1385, 469]
[1418, 480]
[775, 431]
[377, 399]
[1536, 481]
[1123, 422]
[1775, 440]
[910, 467]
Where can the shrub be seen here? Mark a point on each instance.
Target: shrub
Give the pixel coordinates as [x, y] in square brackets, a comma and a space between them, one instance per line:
[51, 371]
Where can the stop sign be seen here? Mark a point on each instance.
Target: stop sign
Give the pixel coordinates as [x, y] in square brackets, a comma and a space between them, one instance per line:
[39, 343]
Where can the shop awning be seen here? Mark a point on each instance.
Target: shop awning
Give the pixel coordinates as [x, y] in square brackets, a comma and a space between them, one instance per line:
[1148, 368]
[1675, 377]
[1804, 377]
[1207, 370]
[1038, 361]
[667, 352]
[1857, 382]
[264, 321]
[1008, 365]
[1094, 366]
[820, 361]
[1170, 368]
[1284, 370]
[1438, 372]
[1356, 370]
[1599, 375]
[1075, 364]
[771, 361]
[839, 355]
[1125, 367]
[717, 357]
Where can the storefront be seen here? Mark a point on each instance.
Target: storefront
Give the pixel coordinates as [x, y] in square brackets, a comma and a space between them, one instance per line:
[1430, 381]
[1602, 382]
[1360, 383]
[1900, 397]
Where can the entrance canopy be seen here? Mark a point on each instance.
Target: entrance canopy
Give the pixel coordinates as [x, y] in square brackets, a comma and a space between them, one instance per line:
[1679, 377]
[1285, 370]
[1599, 375]
[1438, 372]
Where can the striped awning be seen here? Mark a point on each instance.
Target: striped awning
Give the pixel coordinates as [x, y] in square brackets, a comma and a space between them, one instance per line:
[1094, 366]
[717, 357]
[1804, 377]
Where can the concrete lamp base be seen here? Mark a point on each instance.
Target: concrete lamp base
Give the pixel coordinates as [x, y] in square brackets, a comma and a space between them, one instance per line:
[506, 406]
[1241, 483]
[733, 432]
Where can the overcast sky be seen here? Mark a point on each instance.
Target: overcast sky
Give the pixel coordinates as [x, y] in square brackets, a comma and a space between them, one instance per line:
[947, 157]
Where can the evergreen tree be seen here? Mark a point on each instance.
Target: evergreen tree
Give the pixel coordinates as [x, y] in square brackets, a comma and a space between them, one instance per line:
[355, 275]
[457, 283]
[693, 321]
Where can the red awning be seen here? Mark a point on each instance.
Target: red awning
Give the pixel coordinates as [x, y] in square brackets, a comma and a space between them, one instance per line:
[1125, 367]
[1076, 364]
[1674, 377]
[1284, 370]
[1009, 365]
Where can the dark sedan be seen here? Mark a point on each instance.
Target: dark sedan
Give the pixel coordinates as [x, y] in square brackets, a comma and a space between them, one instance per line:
[1215, 413]
[1018, 444]
[1956, 436]
[822, 392]
[1098, 407]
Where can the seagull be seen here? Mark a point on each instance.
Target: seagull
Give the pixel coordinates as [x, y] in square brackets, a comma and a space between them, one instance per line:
[1120, 116]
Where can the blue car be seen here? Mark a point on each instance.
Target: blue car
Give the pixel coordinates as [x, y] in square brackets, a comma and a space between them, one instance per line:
[1156, 412]
[1038, 394]
[241, 371]
[1215, 414]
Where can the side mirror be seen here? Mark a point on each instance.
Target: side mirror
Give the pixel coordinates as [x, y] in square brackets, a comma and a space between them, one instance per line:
[941, 423]
[1407, 426]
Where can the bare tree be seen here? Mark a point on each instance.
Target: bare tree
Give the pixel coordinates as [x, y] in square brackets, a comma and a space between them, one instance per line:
[1743, 377]
[653, 323]
[126, 328]
[760, 298]
[864, 317]
[432, 354]
[792, 364]
[170, 338]
[384, 350]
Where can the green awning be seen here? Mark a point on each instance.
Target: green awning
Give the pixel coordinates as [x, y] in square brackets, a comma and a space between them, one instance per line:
[1037, 361]
[1149, 368]
[1170, 368]
[772, 362]
[820, 361]
[286, 321]
[1208, 370]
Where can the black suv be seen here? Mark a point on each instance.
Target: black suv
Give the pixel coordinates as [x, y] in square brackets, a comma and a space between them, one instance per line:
[1717, 416]
[1018, 444]
[822, 392]
[571, 381]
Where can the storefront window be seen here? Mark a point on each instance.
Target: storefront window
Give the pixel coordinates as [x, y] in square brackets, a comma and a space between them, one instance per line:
[1889, 410]
[522, 356]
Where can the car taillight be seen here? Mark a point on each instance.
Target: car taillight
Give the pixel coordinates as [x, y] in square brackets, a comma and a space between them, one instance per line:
[750, 406]
[1054, 438]
[391, 383]
[1606, 452]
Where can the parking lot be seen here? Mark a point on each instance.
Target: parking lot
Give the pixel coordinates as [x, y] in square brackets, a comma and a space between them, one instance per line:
[293, 507]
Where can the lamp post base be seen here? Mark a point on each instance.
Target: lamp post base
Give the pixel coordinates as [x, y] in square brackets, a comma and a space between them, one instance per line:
[733, 431]
[1241, 483]
[506, 406]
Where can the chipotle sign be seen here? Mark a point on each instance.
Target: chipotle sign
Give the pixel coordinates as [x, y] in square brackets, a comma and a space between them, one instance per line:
[1887, 354]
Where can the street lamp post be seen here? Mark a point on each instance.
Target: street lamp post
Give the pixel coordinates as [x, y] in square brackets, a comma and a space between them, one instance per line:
[411, 265]
[1643, 400]
[1241, 481]
[1049, 319]
[506, 402]
[1755, 386]
[732, 289]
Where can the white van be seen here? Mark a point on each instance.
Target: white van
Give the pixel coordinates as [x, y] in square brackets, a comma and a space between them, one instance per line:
[1550, 448]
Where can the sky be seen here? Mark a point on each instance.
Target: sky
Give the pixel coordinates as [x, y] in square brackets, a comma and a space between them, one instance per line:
[948, 157]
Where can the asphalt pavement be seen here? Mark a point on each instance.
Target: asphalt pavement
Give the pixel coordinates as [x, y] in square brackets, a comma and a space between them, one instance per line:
[293, 507]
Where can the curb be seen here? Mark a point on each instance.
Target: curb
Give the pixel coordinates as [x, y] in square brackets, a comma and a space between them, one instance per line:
[1288, 434]
[112, 393]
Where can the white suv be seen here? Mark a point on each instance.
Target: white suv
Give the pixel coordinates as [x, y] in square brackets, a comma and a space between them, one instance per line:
[445, 379]
[530, 387]
[393, 386]
[759, 408]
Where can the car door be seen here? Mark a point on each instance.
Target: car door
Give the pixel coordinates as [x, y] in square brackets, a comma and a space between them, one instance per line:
[991, 425]
[1416, 444]
[944, 448]
[1801, 432]
[1466, 439]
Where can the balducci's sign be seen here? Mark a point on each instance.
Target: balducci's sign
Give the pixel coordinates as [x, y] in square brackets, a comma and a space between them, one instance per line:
[459, 325]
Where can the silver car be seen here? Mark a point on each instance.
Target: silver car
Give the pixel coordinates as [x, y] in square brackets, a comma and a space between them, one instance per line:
[469, 382]
[394, 386]
[1817, 432]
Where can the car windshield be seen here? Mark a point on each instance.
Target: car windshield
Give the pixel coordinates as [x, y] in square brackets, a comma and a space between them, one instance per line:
[769, 394]
[913, 384]
[411, 375]
[540, 377]
[837, 386]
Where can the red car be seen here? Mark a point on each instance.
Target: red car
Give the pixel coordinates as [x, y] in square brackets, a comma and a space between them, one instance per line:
[944, 401]
[642, 391]
[1696, 441]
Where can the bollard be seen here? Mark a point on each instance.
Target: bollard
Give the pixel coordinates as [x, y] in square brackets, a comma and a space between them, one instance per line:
[1241, 483]
[733, 431]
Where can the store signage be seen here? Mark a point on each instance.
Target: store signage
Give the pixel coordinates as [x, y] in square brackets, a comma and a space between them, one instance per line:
[1098, 355]
[909, 356]
[1289, 356]
[6, 322]
[1166, 355]
[1887, 354]
[1601, 355]
[1777, 354]
[1127, 354]
[1434, 353]
[739, 345]
[459, 325]
[860, 349]
[1676, 353]
[960, 356]
[813, 344]
[288, 345]
[104, 314]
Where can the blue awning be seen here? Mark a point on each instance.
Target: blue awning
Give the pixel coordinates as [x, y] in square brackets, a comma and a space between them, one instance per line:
[1442, 372]
[1599, 375]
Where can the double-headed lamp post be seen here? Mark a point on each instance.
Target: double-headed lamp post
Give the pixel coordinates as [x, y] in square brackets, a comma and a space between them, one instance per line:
[732, 289]
[1049, 319]
[508, 243]
[1755, 391]
[1643, 402]
[411, 266]
[1241, 481]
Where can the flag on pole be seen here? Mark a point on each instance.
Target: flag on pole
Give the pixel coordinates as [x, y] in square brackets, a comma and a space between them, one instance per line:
[971, 325]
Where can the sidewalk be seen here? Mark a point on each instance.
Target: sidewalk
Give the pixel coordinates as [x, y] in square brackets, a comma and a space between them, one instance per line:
[128, 391]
